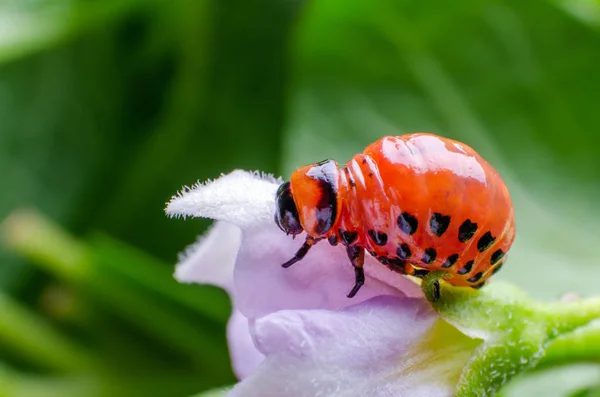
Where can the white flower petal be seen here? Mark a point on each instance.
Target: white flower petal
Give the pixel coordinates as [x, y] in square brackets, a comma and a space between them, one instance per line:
[211, 258]
[380, 348]
[319, 281]
[245, 357]
[242, 198]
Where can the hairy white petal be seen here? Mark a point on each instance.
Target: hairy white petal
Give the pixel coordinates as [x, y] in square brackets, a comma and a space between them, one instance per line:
[242, 198]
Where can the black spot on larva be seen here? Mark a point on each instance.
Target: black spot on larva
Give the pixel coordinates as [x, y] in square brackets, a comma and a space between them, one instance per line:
[498, 266]
[364, 161]
[403, 251]
[348, 237]
[466, 268]
[466, 230]
[420, 273]
[397, 265]
[370, 175]
[383, 259]
[333, 240]
[429, 255]
[475, 278]
[485, 241]
[450, 261]
[496, 256]
[378, 238]
[477, 286]
[438, 223]
[407, 223]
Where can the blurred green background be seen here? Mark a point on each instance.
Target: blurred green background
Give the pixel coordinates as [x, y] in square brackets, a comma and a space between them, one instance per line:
[109, 107]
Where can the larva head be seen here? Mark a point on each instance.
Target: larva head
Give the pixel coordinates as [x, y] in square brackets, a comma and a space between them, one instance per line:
[286, 214]
[309, 201]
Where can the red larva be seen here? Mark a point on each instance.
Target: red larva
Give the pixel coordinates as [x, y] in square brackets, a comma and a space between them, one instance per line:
[416, 202]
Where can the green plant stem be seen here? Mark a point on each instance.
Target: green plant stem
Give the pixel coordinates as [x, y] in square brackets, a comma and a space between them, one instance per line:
[581, 345]
[517, 331]
[32, 236]
[14, 384]
[23, 331]
[48, 246]
[154, 275]
[17, 384]
[565, 317]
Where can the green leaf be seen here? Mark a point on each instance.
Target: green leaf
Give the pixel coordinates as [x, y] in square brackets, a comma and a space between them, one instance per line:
[34, 26]
[590, 392]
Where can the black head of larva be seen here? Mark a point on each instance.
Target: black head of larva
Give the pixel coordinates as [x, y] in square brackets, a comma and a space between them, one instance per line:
[286, 214]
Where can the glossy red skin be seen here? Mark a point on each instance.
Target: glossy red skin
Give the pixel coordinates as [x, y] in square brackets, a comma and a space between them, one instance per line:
[420, 174]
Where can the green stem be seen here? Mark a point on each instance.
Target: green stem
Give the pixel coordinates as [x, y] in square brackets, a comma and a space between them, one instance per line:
[581, 345]
[517, 331]
[45, 244]
[50, 247]
[565, 317]
[28, 334]
[15, 384]
[156, 276]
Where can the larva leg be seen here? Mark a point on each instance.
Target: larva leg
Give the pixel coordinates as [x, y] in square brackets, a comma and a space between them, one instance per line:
[302, 251]
[357, 258]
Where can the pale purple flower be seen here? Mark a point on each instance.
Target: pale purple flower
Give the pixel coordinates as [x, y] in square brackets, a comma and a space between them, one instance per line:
[293, 331]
